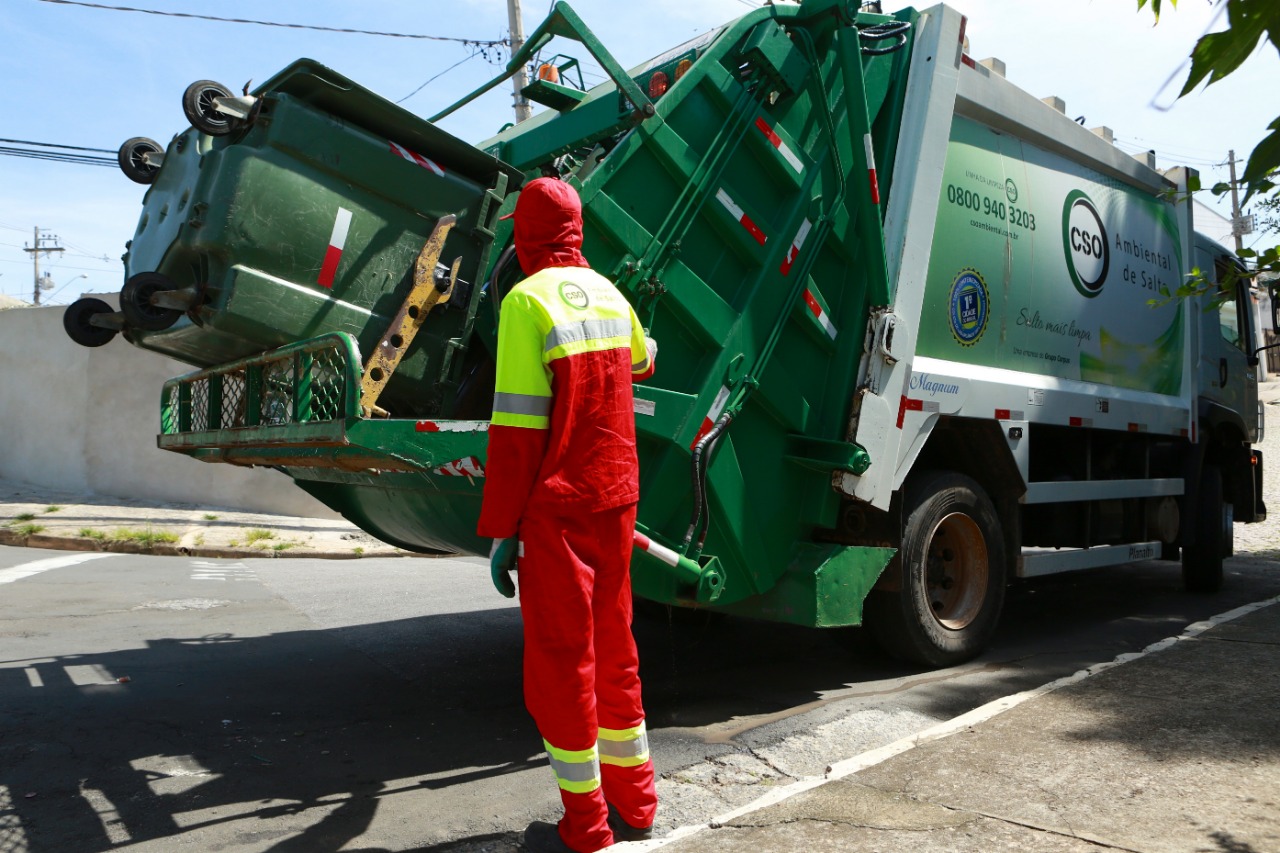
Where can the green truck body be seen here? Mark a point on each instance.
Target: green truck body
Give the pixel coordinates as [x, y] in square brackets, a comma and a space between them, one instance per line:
[885, 283]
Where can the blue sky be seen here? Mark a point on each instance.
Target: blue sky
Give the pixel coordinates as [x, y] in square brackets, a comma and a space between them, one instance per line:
[93, 78]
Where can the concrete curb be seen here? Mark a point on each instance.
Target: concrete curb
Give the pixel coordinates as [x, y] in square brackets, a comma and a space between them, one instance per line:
[76, 543]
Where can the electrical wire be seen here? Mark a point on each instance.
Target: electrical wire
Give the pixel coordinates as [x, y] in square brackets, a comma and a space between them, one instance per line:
[82, 159]
[60, 266]
[56, 145]
[476, 42]
[472, 55]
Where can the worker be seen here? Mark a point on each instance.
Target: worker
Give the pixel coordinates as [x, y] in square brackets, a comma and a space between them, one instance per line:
[561, 487]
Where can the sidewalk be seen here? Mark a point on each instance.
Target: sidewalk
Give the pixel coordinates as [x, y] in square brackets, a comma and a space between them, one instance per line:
[38, 517]
[1178, 750]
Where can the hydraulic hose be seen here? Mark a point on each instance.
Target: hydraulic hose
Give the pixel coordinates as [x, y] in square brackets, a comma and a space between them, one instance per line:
[896, 30]
[701, 454]
[492, 284]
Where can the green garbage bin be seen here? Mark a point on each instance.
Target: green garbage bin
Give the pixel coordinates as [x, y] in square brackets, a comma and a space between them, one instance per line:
[305, 218]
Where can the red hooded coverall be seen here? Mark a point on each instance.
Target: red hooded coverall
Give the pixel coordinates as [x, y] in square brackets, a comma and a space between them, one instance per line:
[562, 473]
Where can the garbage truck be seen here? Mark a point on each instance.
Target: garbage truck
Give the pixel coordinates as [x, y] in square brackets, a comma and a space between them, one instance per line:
[918, 328]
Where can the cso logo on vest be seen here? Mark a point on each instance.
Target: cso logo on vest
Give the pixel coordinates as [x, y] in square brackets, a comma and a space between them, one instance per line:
[1085, 238]
[573, 295]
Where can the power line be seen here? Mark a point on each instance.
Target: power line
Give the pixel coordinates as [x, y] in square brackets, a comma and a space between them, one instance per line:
[56, 145]
[476, 42]
[59, 266]
[472, 55]
[56, 157]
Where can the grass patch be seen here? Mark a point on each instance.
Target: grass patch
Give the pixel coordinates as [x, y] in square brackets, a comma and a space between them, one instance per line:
[358, 550]
[26, 516]
[52, 508]
[28, 529]
[234, 543]
[142, 537]
[258, 535]
[283, 546]
[209, 516]
[199, 540]
[90, 533]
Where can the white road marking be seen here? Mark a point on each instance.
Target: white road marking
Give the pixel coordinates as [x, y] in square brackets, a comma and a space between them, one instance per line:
[33, 676]
[26, 570]
[87, 675]
[849, 766]
[203, 570]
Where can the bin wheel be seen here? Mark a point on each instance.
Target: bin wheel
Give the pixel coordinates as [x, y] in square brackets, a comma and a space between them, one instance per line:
[133, 160]
[75, 320]
[197, 105]
[1214, 520]
[135, 302]
[951, 575]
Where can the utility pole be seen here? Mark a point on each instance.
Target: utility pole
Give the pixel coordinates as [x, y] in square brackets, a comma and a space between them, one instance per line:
[1235, 203]
[40, 246]
[523, 110]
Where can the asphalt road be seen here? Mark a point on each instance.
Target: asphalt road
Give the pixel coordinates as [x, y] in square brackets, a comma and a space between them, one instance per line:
[152, 703]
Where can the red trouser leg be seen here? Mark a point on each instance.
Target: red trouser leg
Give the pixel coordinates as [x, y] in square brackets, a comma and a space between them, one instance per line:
[575, 597]
[625, 765]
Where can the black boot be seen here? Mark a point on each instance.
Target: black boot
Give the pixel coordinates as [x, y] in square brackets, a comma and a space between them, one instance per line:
[541, 837]
[623, 831]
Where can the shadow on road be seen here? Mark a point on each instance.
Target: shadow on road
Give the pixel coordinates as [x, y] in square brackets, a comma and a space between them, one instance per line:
[308, 734]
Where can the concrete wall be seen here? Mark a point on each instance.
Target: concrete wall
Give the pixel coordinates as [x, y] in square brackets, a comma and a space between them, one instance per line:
[86, 420]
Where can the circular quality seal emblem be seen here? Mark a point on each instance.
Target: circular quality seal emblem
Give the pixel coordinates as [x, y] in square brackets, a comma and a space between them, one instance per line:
[1011, 190]
[1085, 241]
[969, 306]
[573, 295]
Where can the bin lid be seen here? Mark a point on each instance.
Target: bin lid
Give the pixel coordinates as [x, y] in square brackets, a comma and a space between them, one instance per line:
[340, 96]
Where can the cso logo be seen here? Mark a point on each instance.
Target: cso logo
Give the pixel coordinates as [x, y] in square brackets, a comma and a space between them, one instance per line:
[1087, 250]
[573, 295]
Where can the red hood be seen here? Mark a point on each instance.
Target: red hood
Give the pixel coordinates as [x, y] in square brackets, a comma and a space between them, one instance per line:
[548, 226]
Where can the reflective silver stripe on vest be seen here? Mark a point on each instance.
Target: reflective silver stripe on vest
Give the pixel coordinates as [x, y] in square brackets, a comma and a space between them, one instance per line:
[521, 404]
[625, 748]
[575, 771]
[638, 366]
[587, 330]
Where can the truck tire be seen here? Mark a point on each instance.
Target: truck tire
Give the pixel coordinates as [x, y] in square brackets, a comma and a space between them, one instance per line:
[1202, 562]
[952, 574]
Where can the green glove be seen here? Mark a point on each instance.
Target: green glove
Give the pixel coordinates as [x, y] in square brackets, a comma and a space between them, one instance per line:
[502, 559]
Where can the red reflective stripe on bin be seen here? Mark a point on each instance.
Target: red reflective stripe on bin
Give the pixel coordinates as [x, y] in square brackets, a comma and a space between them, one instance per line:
[416, 158]
[468, 467]
[710, 420]
[871, 168]
[451, 426]
[1002, 415]
[332, 255]
[816, 309]
[783, 148]
[796, 245]
[738, 214]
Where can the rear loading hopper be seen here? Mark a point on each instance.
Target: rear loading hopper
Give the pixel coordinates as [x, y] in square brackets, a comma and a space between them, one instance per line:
[732, 188]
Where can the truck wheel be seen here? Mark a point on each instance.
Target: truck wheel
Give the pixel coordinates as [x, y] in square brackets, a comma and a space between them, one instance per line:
[75, 320]
[1214, 520]
[135, 302]
[134, 162]
[197, 105]
[951, 575]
